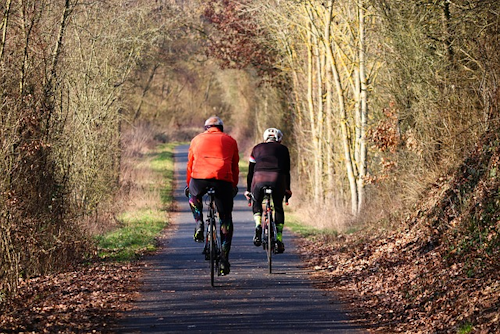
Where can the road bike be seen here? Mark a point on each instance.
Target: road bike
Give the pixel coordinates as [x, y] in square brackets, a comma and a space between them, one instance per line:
[269, 232]
[212, 248]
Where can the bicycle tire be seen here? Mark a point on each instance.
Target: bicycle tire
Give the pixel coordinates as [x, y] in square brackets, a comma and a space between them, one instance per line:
[212, 251]
[270, 244]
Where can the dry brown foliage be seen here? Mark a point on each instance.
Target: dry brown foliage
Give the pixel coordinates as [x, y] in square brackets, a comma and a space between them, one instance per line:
[86, 300]
[438, 271]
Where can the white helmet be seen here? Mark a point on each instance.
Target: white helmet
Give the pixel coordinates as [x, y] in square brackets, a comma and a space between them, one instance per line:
[273, 134]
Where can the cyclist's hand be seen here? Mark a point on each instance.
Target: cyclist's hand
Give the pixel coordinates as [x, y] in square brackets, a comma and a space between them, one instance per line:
[235, 191]
[288, 194]
[186, 191]
[248, 195]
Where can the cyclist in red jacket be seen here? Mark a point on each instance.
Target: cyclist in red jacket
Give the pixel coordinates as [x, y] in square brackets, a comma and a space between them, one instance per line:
[269, 166]
[213, 162]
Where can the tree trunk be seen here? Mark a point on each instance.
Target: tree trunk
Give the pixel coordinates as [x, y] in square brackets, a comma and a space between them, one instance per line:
[5, 23]
[345, 133]
[312, 121]
[363, 108]
[144, 91]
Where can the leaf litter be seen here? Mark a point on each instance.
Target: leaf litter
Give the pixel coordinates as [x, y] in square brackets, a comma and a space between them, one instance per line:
[87, 300]
[437, 273]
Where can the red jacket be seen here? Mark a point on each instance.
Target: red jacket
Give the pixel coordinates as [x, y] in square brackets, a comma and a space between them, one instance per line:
[213, 155]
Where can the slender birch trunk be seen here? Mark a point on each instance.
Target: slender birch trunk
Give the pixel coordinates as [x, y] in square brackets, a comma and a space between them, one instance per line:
[319, 124]
[5, 23]
[345, 133]
[363, 107]
[312, 119]
[345, 137]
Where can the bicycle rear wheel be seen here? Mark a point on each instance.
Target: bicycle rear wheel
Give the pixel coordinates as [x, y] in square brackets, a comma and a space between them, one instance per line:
[270, 243]
[213, 251]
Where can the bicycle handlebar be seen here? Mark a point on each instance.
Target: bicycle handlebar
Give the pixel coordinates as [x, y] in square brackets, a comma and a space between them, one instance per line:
[252, 198]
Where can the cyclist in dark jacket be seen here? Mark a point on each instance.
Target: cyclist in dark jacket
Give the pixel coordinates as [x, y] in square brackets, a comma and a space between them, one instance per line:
[269, 166]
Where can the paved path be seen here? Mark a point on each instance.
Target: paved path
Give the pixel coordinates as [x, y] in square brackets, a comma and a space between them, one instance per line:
[177, 296]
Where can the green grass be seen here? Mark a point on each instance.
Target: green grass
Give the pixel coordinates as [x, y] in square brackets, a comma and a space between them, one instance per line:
[136, 236]
[243, 166]
[139, 229]
[293, 223]
[465, 329]
[164, 163]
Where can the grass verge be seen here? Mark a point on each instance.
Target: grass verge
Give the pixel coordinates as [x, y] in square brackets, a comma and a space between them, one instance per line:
[294, 223]
[146, 216]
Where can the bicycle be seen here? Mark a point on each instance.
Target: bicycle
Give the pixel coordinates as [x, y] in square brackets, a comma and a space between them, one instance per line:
[269, 231]
[212, 250]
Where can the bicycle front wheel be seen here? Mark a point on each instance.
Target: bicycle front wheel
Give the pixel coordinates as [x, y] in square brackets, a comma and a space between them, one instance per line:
[213, 251]
[270, 243]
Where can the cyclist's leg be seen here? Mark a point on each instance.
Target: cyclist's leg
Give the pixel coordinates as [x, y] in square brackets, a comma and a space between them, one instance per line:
[197, 188]
[257, 203]
[257, 213]
[224, 203]
[279, 213]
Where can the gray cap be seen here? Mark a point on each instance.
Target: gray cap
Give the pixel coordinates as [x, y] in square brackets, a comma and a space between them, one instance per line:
[213, 120]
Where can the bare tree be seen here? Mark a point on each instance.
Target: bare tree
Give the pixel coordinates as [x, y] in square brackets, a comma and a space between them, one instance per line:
[63, 67]
[326, 49]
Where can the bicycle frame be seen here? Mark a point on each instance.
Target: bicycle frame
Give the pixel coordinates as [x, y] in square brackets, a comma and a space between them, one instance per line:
[269, 231]
[212, 241]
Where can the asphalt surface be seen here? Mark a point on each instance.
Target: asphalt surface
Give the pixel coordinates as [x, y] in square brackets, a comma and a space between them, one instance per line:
[177, 297]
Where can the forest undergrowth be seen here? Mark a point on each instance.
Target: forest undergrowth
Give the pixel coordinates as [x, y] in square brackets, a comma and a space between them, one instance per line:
[438, 271]
[90, 296]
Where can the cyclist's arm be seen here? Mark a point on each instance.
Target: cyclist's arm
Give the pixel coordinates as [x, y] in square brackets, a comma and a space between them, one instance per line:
[251, 168]
[235, 168]
[287, 170]
[189, 167]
